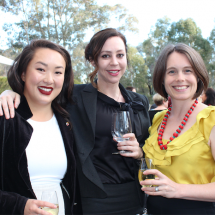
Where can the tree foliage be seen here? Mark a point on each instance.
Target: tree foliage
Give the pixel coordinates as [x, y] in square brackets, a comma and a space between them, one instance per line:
[64, 22]
[183, 31]
[136, 73]
[67, 21]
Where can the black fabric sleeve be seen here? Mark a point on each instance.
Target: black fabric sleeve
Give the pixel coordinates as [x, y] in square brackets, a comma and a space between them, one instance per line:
[12, 203]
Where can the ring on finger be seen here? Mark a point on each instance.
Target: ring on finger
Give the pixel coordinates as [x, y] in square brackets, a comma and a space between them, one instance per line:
[157, 189]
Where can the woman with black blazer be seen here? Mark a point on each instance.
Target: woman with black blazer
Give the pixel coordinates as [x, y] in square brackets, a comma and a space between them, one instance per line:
[108, 183]
[31, 162]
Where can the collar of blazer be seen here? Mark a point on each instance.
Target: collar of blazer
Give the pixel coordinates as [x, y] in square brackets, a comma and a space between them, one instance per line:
[89, 96]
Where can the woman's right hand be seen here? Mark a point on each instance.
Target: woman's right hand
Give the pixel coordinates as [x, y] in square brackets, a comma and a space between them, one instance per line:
[33, 207]
[8, 101]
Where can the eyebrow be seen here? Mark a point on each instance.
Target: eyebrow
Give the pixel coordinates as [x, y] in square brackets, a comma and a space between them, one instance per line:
[111, 51]
[188, 67]
[44, 64]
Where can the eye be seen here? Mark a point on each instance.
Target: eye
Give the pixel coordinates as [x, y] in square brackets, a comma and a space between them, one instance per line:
[58, 73]
[188, 71]
[40, 69]
[171, 72]
[105, 56]
[120, 55]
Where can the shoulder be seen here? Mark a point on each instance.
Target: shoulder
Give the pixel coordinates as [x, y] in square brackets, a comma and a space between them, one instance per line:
[78, 88]
[9, 125]
[6, 122]
[207, 113]
[158, 117]
[143, 98]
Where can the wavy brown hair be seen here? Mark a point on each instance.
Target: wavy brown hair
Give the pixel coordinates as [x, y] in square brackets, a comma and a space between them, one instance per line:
[94, 47]
[20, 66]
[195, 60]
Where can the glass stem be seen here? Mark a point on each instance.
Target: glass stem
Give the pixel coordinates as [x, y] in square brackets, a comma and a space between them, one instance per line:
[144, 204]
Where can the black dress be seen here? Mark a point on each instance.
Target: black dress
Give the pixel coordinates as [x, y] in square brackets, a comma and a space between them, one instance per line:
[116, 172]
[114, 192]
[161, 205]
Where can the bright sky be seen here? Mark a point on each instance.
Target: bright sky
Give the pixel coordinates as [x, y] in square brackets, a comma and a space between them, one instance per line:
[149, 11]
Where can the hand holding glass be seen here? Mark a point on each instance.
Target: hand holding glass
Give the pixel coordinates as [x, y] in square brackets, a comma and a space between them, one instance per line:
[50, 196]
[121, 124]
[145, 163]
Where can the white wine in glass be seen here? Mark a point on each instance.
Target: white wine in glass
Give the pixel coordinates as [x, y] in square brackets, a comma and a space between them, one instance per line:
[145, 163]
[121, 124]
[50, 196]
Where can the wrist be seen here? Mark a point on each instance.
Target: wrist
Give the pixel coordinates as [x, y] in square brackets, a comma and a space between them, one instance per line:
[141, 153]
[180, 191]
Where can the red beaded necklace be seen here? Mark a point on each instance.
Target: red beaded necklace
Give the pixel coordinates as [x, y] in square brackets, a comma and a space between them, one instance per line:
[175, 134]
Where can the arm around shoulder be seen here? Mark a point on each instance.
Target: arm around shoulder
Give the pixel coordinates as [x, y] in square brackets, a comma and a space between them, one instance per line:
[8, 101]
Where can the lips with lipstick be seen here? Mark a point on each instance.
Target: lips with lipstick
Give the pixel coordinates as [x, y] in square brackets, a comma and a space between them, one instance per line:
[113, 72]
[45, 90]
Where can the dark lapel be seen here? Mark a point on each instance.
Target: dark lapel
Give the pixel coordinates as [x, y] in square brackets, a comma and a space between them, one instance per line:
[67, 137]
[23, 135]
[89, 95]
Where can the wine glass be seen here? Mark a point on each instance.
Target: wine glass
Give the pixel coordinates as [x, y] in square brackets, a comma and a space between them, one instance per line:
[121, 124]
[50, 196]
[145, 163]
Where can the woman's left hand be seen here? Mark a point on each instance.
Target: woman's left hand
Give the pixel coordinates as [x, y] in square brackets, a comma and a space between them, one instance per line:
[165, 187]
[130, 145]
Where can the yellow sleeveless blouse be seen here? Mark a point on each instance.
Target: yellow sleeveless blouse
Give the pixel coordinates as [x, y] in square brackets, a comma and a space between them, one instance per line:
[188, 158]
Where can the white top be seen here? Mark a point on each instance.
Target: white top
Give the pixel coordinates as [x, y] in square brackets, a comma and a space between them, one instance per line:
[47, 161]
[46, 155]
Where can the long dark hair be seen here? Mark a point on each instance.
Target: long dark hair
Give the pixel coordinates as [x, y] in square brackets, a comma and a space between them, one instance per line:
[94, 47]
[20, 66]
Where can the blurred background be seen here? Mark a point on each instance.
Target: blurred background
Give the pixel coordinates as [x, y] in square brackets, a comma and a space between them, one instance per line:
[147, 24]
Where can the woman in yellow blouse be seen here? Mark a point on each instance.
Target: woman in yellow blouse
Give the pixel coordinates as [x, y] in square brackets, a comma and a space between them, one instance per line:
[182, 138]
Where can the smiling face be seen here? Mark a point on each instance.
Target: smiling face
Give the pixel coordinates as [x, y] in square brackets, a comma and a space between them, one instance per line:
[112, 61]
[180, 80]
[44, 77]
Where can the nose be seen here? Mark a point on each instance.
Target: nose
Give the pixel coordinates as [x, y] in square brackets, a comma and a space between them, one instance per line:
[114, 60]
[48, 78]
[180, 76]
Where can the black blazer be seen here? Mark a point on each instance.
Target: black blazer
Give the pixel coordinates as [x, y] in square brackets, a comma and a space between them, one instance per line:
[15, 185]
[83, 118]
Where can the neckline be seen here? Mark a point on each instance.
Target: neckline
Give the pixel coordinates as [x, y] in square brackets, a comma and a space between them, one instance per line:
[31, 120]
[186, 130]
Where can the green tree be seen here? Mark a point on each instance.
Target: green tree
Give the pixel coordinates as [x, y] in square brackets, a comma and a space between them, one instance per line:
[64, 22]
[4, 84]
[151, 47]
[211, 67]
[136, 72]
[183, 31]
[186, 31]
